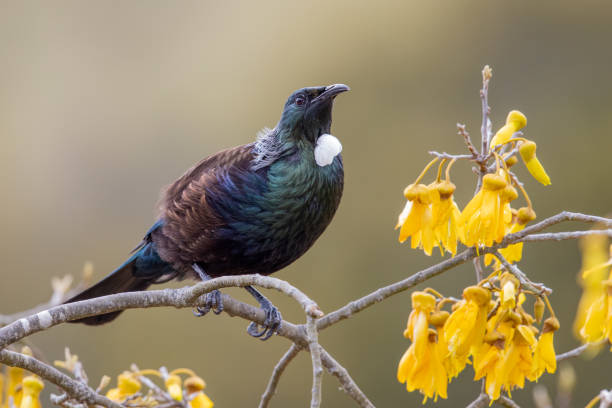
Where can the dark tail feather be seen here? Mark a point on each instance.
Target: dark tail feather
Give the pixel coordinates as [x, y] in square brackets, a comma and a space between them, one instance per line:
[121, 280]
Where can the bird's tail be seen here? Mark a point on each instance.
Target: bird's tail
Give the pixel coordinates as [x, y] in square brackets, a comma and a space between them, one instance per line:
[123, 279]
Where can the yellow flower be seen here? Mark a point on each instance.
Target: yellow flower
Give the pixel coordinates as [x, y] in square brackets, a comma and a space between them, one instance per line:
[423, 370]
[173, 385]
[514, 365]
[465, 328]
[416, 219]
[544, 355]
[13, 385]
[32, 386]
[507, 296]
[446, 216]
[480, 217]
[197, 399]
[528, 153]
[592, 313]
[514, 122]
[127, 384]
[422, 305]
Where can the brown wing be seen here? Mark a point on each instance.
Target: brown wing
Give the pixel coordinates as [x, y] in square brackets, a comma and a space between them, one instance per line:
[188, 222]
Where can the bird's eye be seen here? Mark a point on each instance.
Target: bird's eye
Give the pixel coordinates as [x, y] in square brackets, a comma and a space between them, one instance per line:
[300, 101]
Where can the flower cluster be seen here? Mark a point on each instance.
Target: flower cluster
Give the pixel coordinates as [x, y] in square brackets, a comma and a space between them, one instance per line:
[129, 384]
[431, 217]
[18, 388]
[488, 328]
[594, 318]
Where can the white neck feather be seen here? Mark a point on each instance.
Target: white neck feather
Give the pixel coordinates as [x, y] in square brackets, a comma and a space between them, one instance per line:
[326, 149]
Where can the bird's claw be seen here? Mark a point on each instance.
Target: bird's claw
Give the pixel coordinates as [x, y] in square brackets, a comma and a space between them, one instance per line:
[212, 301]
[270, 326]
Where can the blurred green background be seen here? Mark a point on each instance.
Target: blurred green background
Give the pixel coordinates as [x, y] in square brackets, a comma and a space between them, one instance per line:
[103, 103]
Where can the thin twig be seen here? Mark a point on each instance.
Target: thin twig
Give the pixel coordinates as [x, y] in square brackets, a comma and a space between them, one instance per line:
[74, 388]
[579, 350]
[522, 277]
[312, 335]
[278, 371]
[560, 236]
[449, 156]
[346, 382]
[461, 130]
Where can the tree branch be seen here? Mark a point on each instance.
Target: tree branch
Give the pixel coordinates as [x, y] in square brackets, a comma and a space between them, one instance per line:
[278, 371]
[317, 368]
[346, 382]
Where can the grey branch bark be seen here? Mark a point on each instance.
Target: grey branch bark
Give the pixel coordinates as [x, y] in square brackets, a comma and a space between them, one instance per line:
[278, 371]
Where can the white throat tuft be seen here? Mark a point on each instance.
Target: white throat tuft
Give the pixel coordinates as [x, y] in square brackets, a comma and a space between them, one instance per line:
[326, 149]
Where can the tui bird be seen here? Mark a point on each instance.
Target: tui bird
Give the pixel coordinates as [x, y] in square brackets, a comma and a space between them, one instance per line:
[250, 209]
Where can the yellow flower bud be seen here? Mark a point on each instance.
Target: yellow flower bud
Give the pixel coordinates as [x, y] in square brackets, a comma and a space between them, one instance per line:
[194, 384]
[445, 188]
[173, 385]
[438, 318]
[514, 122]
[32, 386]
[477, 294]
[423, 300]
[525, 215]
[511, 161]
[538, 309]
[493, 182]
[551, 324]
[528, 153]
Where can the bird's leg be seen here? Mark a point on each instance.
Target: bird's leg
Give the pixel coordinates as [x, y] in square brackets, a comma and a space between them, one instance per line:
[213, 299]
[273, 317]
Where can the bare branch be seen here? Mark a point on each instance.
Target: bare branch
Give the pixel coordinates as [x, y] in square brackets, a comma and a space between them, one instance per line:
[445, 155]
[560, 236]
[317, 368]
[73, 388]
[278, 371]
[579, 350]
[522, 277]
[347, 383]
[483, 401]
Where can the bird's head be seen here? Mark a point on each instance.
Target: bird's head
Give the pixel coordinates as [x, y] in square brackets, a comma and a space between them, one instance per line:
[307, 113]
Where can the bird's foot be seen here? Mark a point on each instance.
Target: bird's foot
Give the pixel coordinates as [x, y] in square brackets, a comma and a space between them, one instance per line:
[273, 317]
[212, 301]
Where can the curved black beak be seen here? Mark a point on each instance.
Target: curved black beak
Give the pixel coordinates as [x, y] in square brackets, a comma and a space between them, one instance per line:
[331, 91]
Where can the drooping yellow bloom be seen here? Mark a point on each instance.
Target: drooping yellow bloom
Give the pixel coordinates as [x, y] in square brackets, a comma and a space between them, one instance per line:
[514, 365]
[13, 385]
[515, 121]
[416, 219]
[479, 219]
[544, 355]
[423, 304]
[194, 387]
[465, 328]
[590, 324]
[32, 386]
[421, 368]
[127, 384]
[446, 217]
[528, 153]
[510, 286]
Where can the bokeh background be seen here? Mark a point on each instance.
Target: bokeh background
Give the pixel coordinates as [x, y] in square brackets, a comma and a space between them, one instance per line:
[103, 103]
